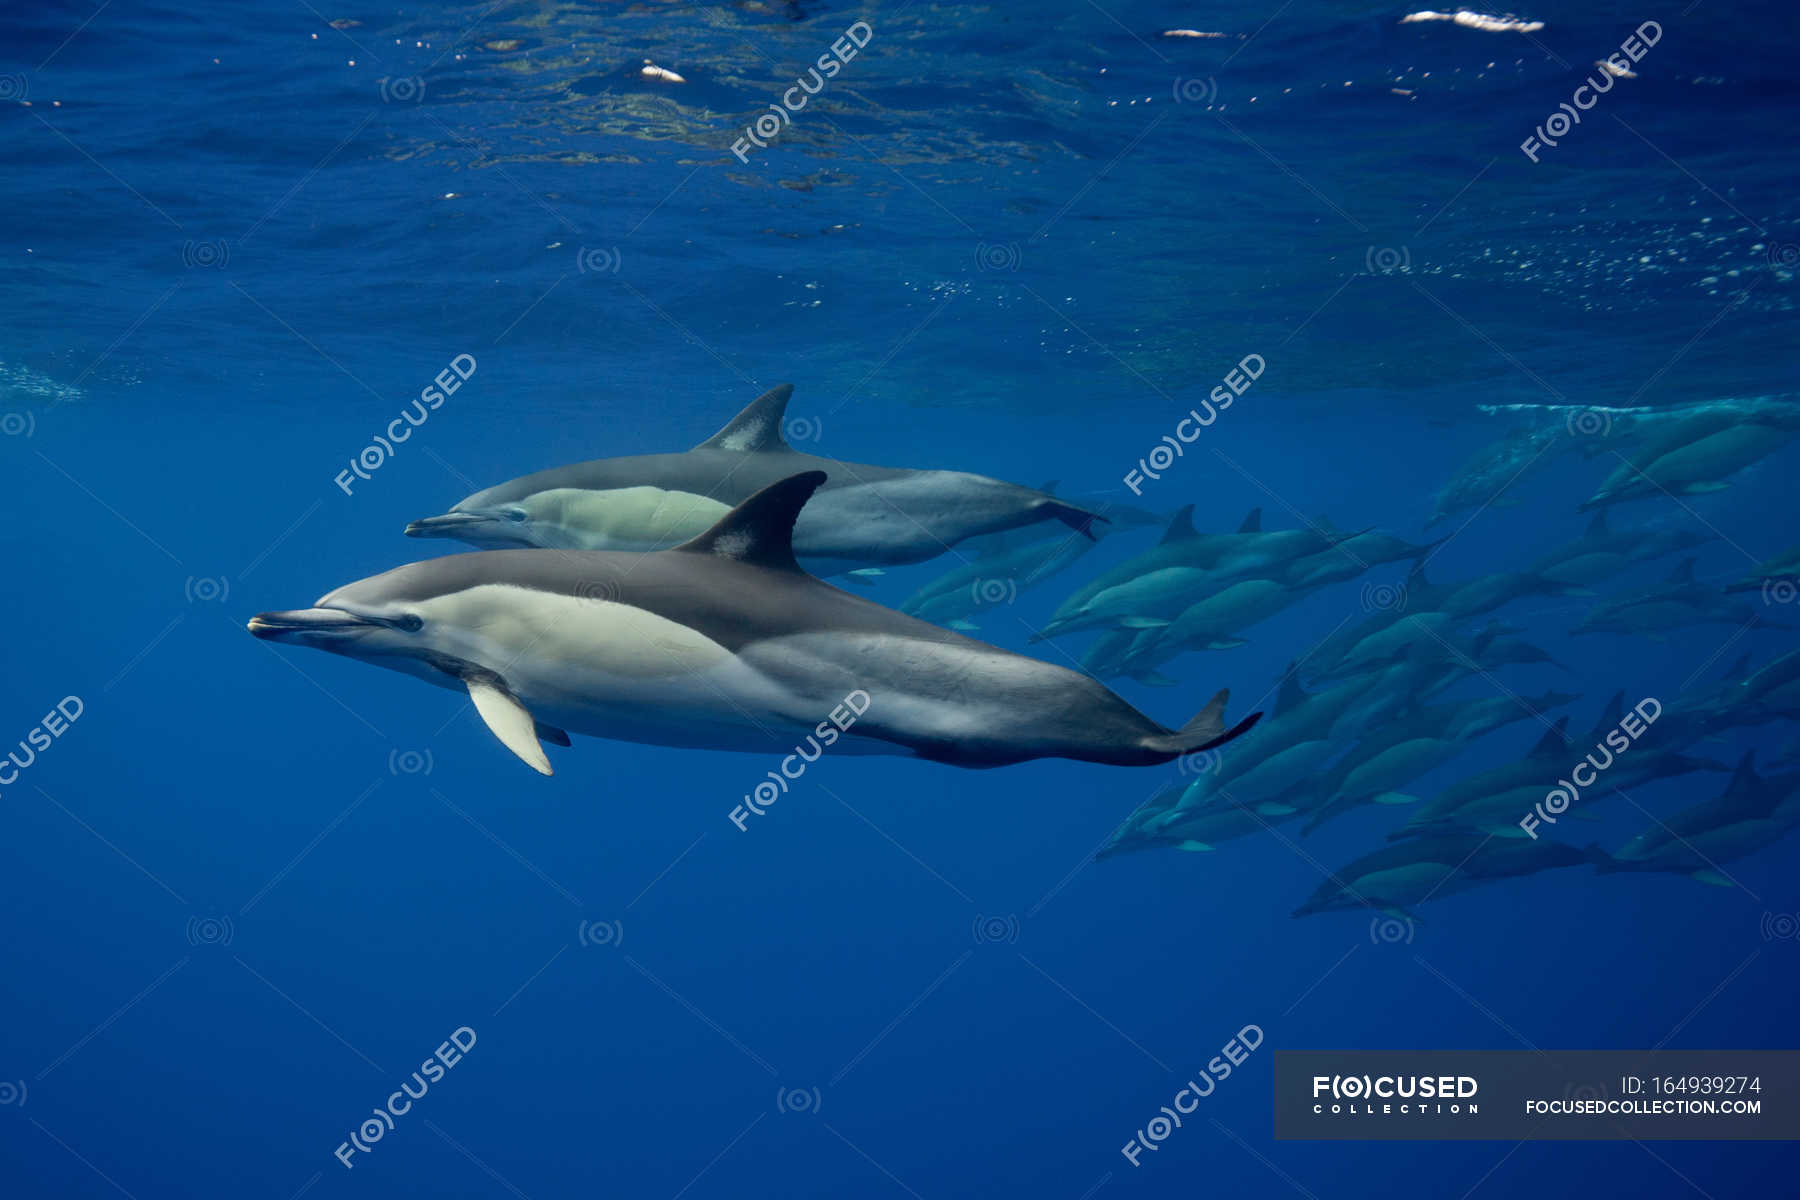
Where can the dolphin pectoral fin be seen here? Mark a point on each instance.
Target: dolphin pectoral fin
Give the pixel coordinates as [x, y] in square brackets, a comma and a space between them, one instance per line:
[509, 722]
[1191, 844]
[864, 576]
[757, 428]
[551, 734]
[1144, 623]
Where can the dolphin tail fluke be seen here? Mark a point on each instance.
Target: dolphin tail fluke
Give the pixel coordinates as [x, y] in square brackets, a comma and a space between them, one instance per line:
[1078, 519]
[1205, 731]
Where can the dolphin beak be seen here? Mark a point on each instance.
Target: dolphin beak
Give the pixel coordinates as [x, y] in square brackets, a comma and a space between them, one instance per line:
[452, 524]
[304, 623]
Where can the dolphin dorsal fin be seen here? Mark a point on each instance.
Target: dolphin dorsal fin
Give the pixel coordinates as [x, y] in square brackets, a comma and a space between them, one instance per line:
[761, 529]
[1745, 776]
[1741, 667]
[1597, 526]
[1615, 709]
[1049, 488]
[1252, 522]
[757, 428]
[1555, 740]
[1683, 572]
[1292, 695]
[1181, 526]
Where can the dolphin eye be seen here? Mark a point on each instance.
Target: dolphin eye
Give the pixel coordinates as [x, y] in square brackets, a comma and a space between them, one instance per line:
[411, 622]
[516, 515]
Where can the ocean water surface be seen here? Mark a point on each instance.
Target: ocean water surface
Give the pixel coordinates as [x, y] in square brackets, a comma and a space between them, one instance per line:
[249, 889]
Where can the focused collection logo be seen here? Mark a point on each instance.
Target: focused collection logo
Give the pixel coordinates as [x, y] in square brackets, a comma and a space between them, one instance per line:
[1394, 1095]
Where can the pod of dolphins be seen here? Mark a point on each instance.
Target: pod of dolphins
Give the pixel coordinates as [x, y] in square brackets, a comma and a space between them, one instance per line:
[1363, 716]
[675, 599]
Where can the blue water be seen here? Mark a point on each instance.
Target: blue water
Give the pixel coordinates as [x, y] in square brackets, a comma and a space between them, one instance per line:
[250, 888]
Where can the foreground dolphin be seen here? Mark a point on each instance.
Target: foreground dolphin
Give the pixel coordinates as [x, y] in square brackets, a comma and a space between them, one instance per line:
[864, 516]
[723, 642]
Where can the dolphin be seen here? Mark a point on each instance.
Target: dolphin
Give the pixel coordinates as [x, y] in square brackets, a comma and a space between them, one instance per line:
[1010, 563]
[1751, 813]
[1283, 752]
[1406, 874]
[1386, 643]
[1128, 653]
[1499, 813]
[1202, 828]
[1706, 714]
[1212, 624]
[1494, 801]
[1391, 756]
[1552, 430]
[1775, 689]
[864, 516]
[957, 596]
[1155, 587]
[1413, 595]
[1777, 577]
[1690, 458]
[1485, 593]
[1682, 603]
[722, 642]
[1602, 552]
[1532, 774]
[1486, 478]
[1130, 834]
[1471, 719]
[1356, 553]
